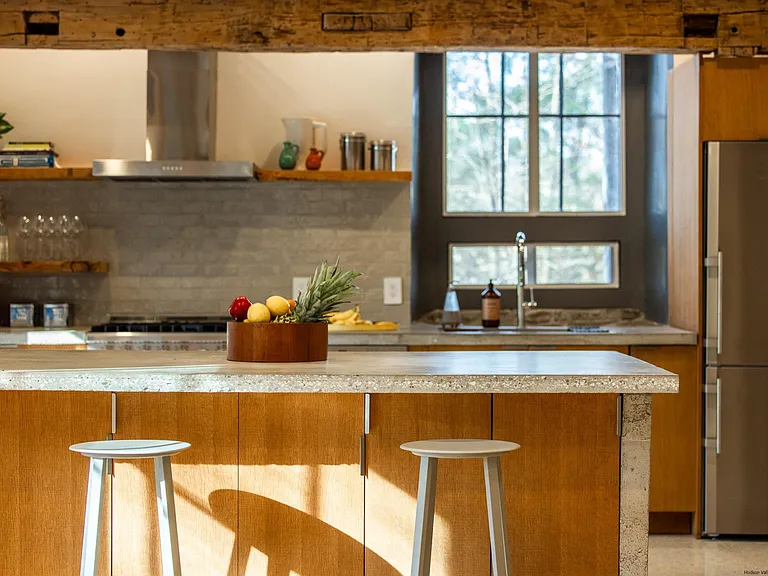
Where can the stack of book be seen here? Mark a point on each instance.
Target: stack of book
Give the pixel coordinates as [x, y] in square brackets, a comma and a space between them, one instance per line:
[28, 155]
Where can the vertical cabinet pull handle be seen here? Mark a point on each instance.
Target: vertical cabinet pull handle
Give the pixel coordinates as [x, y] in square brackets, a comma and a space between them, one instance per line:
[717, 442]
[719, 305]
[619, 414]
[363, 464]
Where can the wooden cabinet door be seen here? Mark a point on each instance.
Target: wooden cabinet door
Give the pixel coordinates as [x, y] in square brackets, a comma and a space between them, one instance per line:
[562, 485]
[43, 485]
[205, 483]
[301, 490]
[460, 546]
[675, 440]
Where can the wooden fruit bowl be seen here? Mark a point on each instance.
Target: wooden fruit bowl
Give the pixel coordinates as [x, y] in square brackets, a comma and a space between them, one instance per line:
[277, 342]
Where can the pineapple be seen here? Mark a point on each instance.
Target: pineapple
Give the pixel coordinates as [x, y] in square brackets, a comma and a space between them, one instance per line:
[5, 126]
[326, 291]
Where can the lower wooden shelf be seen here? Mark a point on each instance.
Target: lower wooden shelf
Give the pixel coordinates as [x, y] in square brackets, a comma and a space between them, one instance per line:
[54, 267]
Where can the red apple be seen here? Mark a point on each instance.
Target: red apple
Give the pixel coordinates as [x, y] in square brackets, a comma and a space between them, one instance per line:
[239, 308]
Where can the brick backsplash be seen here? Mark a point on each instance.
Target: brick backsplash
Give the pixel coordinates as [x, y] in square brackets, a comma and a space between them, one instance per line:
[189, 248]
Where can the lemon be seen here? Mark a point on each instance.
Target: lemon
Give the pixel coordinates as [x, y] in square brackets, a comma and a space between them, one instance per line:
[278, 306]
[258, 313]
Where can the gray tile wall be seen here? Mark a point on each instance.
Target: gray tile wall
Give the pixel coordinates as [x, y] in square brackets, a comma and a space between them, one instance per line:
[190, 248]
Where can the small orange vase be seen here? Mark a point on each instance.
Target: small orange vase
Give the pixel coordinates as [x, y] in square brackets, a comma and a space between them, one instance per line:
[315, 159]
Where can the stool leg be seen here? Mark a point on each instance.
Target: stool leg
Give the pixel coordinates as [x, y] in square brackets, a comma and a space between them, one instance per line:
[425, 517]
[89, 561]
[497, 518]
[166, 511]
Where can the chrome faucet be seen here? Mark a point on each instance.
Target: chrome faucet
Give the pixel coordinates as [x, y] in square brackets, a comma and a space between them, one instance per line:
[522, 254]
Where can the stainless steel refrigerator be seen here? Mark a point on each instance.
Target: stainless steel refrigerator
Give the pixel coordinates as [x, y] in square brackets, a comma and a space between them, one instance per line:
[736, 346]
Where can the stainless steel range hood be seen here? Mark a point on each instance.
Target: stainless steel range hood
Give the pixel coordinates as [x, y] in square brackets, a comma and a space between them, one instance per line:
[181, 124]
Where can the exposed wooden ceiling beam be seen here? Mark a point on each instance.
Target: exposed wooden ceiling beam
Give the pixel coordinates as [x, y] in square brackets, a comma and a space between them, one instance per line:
[728, 26]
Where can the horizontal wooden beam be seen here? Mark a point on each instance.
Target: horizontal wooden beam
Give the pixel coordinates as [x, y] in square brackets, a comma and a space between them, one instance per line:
[729, 26]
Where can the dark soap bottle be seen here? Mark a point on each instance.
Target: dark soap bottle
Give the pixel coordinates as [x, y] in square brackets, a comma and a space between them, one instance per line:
[490, 302]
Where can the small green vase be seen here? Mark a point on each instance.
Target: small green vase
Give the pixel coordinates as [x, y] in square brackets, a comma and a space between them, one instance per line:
[288, 156]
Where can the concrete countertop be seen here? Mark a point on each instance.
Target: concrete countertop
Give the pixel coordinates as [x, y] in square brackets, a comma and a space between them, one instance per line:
[432, 335]
[413, 335]
[425, 372]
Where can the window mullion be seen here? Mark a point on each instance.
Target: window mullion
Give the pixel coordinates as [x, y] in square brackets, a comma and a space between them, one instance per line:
[533, 133]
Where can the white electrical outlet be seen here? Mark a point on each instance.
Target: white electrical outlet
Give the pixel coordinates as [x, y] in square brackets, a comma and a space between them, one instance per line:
[393, 291]
[299, 285]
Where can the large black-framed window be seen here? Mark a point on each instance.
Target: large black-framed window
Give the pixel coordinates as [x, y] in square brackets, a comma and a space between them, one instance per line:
[435, 230]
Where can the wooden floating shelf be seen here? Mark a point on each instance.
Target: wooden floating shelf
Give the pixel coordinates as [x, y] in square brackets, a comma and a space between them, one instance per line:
[27, 174]
[332, 176]
[45, 174]
[54, 267]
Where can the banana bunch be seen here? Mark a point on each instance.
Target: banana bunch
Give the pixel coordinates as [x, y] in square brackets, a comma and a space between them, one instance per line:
[351, 318]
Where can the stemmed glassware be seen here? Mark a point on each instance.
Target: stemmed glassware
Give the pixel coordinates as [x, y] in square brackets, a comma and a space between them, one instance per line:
[51, 238]
[24, 238]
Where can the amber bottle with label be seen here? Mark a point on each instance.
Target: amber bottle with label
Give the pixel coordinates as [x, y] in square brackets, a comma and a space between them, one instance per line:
[490, 302]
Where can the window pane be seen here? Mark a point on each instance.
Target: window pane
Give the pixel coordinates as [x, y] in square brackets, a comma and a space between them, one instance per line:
[473, 81]
[549, 164]
[574, 264]
[473, 165]
[475, 265]
[516, 83]
[516, 165]
[549, 84]
[591, 165]
[548, 264]
[591, 83]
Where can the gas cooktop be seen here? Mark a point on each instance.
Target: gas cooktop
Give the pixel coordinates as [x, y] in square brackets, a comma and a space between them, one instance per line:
[163, 324]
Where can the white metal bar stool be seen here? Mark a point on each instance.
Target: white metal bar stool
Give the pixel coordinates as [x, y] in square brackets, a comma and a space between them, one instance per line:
[432, 450]
[107, 450]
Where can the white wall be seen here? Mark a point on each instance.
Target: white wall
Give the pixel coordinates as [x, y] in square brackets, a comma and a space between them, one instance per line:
[371, 93]
[90, 104]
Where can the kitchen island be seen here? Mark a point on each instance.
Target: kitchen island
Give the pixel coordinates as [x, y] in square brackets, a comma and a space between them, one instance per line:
[297, 467]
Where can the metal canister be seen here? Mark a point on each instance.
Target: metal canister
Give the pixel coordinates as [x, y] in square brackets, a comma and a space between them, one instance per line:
[383, 154]
[22, 315]
[55, 315]
[352, 146]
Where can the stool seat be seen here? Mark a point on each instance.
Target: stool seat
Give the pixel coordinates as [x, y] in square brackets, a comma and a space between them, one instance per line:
[130, 449]
[461, 448]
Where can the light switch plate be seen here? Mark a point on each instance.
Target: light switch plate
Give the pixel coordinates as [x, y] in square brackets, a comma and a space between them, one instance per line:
[393, 291]
[299, 285]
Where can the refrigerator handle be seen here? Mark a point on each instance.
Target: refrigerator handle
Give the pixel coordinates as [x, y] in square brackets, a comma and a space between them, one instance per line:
[719, 310]
[717, 400]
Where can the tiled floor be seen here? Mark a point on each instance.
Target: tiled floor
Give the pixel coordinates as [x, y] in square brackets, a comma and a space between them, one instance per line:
[686, 556]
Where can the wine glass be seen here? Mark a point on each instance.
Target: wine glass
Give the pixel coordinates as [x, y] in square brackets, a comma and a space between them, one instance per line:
[24, 237]
[39, 232]
[79, 237]
[51, 233]
[66, 252]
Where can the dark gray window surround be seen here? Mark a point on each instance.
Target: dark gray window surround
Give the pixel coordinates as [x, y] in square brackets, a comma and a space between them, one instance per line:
[432, 232]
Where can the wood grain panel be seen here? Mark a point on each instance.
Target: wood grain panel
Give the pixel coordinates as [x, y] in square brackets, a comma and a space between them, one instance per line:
[733, 26]
[44, 485]
[452, 348]
[301, 491]
[461, 545]
[562, 486]
[675, 437]
[54, 267]
[42, 173]
[685, 209]
[205, 483]
[333, 175]
[733, 99]
[622, 349]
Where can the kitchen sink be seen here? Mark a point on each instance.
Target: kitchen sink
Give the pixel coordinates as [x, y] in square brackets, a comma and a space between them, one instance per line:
[528, 329]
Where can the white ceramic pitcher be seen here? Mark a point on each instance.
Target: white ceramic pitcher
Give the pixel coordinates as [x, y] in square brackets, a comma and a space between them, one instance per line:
[306, 133]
